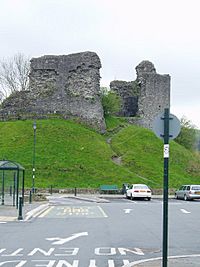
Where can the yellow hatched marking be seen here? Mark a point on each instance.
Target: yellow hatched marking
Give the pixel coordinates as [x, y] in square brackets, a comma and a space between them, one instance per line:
[73, 211]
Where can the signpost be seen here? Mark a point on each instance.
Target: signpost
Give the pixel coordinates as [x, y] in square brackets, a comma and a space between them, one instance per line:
[166, 126]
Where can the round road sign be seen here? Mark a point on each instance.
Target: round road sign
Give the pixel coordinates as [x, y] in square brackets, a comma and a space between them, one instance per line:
[174, 126]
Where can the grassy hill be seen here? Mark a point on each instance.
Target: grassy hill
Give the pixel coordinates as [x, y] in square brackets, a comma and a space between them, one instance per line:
[69, 154]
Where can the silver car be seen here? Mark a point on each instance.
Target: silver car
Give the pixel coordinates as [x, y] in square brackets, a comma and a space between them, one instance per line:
[188, 192]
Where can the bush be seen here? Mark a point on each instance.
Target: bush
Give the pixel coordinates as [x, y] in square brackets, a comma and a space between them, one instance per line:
[110, 101]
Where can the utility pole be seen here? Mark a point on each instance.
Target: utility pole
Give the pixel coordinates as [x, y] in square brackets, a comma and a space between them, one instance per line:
[165, 183]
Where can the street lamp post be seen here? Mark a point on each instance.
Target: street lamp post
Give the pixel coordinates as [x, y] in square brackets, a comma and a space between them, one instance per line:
[34, 143]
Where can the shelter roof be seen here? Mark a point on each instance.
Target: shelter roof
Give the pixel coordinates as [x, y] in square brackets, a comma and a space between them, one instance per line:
[10, 165]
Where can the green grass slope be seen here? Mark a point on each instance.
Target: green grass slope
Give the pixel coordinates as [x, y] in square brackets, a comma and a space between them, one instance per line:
[142, 153]
[69, 154]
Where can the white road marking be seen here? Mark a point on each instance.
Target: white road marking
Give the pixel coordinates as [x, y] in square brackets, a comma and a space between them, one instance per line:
[61, 241]
[4, 219]
[110, 263]
[103, 212]
[20, 263]
[160, 258]
[36, 212]
[127, 210]
[185, 211]
[3, 222]
[46, 212]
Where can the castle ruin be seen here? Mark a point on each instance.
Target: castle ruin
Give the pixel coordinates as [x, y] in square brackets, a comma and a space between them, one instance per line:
[69, 85]
[146, 97]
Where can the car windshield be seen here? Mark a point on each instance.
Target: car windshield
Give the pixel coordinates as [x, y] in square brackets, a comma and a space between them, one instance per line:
[140, 187]
[196, 187]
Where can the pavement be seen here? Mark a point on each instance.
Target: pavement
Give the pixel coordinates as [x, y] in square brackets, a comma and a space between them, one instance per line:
[9, 213]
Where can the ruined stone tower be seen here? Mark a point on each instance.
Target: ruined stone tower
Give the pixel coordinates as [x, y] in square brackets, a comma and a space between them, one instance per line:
[146, 97]
[154, 93]
[67, 85]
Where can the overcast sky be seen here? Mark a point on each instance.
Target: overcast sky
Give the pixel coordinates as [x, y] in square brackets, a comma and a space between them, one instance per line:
[121, 32]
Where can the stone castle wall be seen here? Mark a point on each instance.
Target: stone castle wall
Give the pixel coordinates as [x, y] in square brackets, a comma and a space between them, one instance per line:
[67, 85]
[128, 95]
[150, 91]
[154, 94]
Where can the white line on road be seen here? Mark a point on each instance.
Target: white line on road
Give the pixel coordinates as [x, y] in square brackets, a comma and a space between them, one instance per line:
[127, 210]
[160, 258]
[61, 241]
[103, 212]
[46, 212]
[185, 211]
[36, 212]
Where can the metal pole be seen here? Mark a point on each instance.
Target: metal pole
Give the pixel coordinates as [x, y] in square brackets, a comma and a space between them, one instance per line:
[11, 190]
[23, 174]
[20, 208]
[14, 188]
[3, 185]
[17, 190]
[34, 143]
[51, 189]
[165, 182]
[30, 197]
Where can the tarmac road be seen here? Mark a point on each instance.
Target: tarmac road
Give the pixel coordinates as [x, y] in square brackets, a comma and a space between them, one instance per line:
[91, 232]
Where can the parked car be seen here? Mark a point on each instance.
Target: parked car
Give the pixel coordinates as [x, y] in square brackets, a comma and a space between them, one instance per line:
[138, 191]
[188, 192]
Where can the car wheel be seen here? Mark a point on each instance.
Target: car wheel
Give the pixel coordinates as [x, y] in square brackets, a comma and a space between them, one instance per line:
[149, 198]
[185, 198]
[127, 196]
[132, 197]
[176, 197]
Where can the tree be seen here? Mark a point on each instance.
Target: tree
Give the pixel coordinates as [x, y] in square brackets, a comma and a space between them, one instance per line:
[188, 133]
[13, 75]
[110, 101]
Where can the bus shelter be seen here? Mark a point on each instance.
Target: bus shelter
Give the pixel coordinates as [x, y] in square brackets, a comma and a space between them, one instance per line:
[11, 182]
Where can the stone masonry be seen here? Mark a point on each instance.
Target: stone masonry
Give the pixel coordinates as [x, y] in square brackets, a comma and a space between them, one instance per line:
[128, 95]
[67, 85]
[149, 95]
[154, 93]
